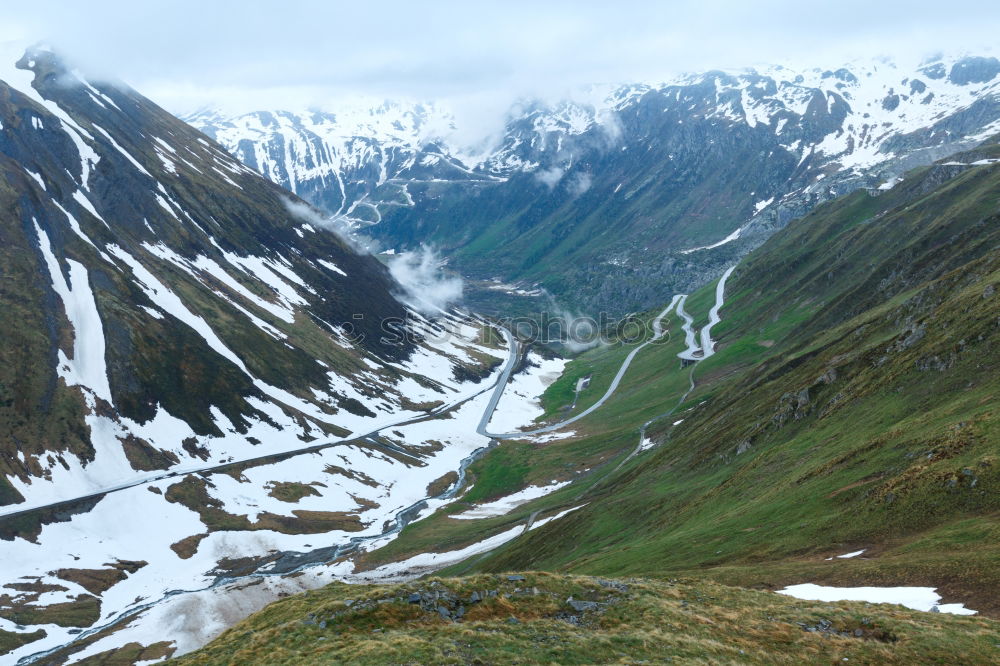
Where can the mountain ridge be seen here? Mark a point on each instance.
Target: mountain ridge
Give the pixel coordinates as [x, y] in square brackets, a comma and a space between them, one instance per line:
[604, 194]
[211, 403]
[196, 382]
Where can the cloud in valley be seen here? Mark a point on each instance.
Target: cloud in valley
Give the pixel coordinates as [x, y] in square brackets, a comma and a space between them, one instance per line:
[549, 177]
[581, 183]
[429, 289]
[313, 217]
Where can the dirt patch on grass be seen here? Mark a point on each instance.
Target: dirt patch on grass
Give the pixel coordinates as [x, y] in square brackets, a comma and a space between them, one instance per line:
[144, 457]
[97, 581]
[309, 522]
[291, 491]
[857, 484]
[192, 493]
[411, 406]
[439, 485]
[94, 581]
[83, 611]
[22, 608]
[354, 475]
[364, 504]
[11, 640]
[131, 653]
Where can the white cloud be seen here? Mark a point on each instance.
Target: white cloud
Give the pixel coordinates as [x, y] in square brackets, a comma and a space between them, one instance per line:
[306, 213]
[580, 183]
[190, 52]
[472, 58]
[550, 177]
[428, 288]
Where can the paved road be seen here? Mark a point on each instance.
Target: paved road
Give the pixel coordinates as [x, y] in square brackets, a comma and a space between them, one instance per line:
[498, 391]
[514, 350]
[364, 439]
[497, 388]
[690, 339]
[694, 351]
[708, 345]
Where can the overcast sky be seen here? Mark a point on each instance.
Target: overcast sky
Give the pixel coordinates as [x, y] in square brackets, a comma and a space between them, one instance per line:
[290, 53]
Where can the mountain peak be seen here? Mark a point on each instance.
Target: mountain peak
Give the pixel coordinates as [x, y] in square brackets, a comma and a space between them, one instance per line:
[48, 67]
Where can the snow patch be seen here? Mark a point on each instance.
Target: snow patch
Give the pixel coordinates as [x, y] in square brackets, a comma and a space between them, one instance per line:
[917, 598]
[87, 367]
[505, 505]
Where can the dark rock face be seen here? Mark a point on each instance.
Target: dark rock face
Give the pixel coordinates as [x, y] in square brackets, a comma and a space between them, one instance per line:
[935, 71]
[974, 70]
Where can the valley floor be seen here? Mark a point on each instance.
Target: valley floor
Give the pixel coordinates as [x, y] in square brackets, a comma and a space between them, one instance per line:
[249, 569]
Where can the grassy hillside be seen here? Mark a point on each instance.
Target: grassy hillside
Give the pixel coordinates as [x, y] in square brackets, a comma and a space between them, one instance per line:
[851, 405]
[548, 618]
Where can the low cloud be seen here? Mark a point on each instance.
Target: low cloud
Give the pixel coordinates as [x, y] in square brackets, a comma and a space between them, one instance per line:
[580, 183]
[611, 126]
[467, 50]
[336, 225]
[426, 286]
[576, 332]
[550, 177]
[576, 184]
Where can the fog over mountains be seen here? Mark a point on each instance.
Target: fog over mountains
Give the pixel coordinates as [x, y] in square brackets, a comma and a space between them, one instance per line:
[654, 186]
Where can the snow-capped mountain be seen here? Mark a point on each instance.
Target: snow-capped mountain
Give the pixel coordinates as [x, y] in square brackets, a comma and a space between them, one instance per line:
[195, 379]
[688, 173]
[853, 116]
[350, 161]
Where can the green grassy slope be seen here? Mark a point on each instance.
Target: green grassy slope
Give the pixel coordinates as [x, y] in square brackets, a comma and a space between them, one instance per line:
[852, 404]
[630, 621]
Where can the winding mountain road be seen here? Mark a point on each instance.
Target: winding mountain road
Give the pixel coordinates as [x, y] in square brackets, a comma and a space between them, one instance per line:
[364, 439]
[293, 561]
[693, 352]
[497, 387]
[658, 333]
[708, 349]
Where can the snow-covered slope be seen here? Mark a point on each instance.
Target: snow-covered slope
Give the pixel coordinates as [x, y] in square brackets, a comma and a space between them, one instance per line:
[866, 109]
[854, 118]
[194, 378]
[690, 173]
[349, 160]
[656, 190]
